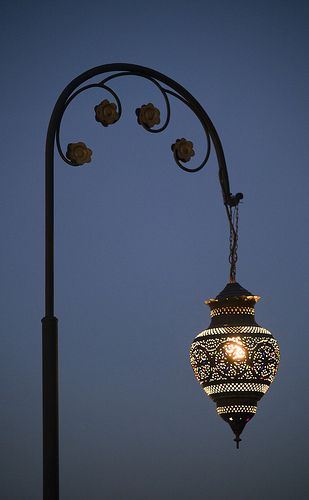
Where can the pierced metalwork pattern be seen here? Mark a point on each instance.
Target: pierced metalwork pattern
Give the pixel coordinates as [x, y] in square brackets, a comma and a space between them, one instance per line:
[234, 359]
[212, 362]
[234, 330]
[235, 387]
[231, 310]
[236, 409]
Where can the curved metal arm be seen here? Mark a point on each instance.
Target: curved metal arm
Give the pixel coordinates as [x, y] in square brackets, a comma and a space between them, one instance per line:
[63, 101]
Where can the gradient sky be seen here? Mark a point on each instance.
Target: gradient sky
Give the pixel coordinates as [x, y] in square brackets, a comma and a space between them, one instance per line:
[140, 244]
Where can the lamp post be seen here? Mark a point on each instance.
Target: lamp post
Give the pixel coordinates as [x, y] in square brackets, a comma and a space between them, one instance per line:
[235, 360]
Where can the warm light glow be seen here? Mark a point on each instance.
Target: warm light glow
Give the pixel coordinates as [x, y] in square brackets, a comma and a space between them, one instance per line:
[235, 350]
[225, 310]
[236, 409]
[234, 330]
[235, 360]
[253, 367]
[232, 387]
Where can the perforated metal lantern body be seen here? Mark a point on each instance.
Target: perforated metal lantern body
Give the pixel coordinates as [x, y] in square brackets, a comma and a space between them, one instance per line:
[234, 359]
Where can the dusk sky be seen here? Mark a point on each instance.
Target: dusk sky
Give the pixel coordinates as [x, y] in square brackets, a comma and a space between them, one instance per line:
[141, 244]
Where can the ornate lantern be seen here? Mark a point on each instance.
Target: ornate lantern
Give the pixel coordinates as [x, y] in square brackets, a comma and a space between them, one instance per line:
[235, 360]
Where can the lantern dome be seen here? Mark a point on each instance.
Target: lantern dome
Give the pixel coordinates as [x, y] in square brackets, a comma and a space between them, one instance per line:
[235, 360]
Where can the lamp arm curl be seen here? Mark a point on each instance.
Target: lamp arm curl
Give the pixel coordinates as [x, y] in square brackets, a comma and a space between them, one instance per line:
[159, 79]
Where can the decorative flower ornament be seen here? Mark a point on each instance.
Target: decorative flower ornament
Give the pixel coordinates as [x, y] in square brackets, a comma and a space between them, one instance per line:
[148, 115]
[106, 113]
[183, 150]
[78, 153]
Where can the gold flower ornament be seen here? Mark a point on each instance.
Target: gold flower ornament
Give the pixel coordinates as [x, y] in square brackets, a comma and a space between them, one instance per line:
[106, 113]
[183, 150]
[148, 115]
[78, 153]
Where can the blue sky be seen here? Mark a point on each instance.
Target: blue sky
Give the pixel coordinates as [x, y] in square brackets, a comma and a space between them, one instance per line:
[140, 245]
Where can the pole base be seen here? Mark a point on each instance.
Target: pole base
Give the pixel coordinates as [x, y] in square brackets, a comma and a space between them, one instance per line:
[50, 409]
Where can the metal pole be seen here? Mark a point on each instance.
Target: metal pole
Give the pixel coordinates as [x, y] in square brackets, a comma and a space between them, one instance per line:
[50, 340]
[50, 409]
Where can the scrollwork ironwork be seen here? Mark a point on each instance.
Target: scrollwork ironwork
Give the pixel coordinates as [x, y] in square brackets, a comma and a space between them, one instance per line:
[100, 85]
[168, 87]
[149, 126]
[157, 84]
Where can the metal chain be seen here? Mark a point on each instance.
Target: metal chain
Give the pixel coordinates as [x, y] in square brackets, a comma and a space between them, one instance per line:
[233, 219]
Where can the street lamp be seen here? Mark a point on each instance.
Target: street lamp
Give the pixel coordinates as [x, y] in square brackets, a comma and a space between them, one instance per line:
[234, 359]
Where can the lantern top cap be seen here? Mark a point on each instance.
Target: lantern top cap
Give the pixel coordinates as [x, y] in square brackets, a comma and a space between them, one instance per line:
[234, 291]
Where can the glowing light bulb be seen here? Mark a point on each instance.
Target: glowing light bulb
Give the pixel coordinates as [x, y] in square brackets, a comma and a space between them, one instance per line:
[235, 350]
